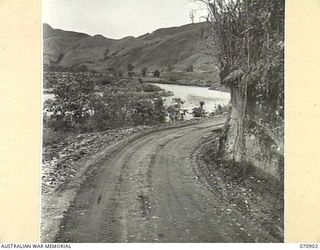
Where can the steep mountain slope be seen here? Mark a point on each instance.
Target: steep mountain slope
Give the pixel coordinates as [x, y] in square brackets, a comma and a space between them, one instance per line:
[179, 47]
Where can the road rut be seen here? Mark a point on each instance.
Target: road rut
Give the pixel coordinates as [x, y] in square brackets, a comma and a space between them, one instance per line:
[149, 191]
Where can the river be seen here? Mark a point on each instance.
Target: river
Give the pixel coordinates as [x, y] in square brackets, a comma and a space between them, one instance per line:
[193, 95]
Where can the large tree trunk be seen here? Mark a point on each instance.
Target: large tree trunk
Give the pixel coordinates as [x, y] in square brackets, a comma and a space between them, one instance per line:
[245, 145]
[235, 148]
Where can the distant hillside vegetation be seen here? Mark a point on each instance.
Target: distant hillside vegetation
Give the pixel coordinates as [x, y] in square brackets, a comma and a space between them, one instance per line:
[176, 47]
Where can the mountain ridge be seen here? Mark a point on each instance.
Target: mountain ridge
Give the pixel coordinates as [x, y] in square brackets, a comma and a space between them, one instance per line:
[176, 47]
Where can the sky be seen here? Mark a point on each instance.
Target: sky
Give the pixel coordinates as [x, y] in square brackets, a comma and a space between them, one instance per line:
[119, 18]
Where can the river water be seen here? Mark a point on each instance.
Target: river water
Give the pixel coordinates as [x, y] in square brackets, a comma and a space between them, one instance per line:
[193, 95]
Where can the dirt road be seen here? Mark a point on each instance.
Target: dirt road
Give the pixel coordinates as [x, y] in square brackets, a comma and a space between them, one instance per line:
[149, 191]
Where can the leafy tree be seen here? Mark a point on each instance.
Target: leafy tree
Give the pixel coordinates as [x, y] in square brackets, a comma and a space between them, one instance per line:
[144, 71]
[73, 104]
[190, 68]
[156, 73]
[160, 110]
[199, 111]
[175, 111]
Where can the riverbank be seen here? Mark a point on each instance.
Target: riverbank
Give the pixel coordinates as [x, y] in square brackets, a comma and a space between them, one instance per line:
[216, 87]
[192, 96]
[196, 78]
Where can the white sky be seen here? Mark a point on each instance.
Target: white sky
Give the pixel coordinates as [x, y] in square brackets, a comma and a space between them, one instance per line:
[118, 18]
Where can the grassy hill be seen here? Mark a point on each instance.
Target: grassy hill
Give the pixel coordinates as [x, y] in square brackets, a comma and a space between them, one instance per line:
[177, 47]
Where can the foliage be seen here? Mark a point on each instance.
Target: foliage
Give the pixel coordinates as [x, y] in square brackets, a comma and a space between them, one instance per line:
[250, 38]
[147, 87]
[156, 73]
[83, 106]
[189, 68]
[250, 34]
[144, 71]
[175, 111]
[130, 68]
[72, 106]
[199, 111]
[220, 109]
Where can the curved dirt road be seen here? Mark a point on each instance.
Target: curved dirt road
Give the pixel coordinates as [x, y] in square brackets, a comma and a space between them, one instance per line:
[149, 191]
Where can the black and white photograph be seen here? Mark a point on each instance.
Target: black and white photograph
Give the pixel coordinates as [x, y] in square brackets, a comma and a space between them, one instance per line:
[163, 121]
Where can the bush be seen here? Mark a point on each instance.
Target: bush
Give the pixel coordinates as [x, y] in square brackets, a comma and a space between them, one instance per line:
[148, 87]
[144, 71]
[175, 111]
[190, 68]
[220, 109]
[156, 73]
[81, 106]
[199, 111]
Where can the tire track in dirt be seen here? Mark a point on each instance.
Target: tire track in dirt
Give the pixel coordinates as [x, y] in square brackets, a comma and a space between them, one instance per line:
[102, 201]
[149, 192]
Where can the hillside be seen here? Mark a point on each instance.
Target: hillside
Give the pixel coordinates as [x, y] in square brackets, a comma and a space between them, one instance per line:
[177, 47]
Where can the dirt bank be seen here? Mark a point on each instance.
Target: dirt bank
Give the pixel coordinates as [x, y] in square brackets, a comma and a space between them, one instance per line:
[256, 195]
